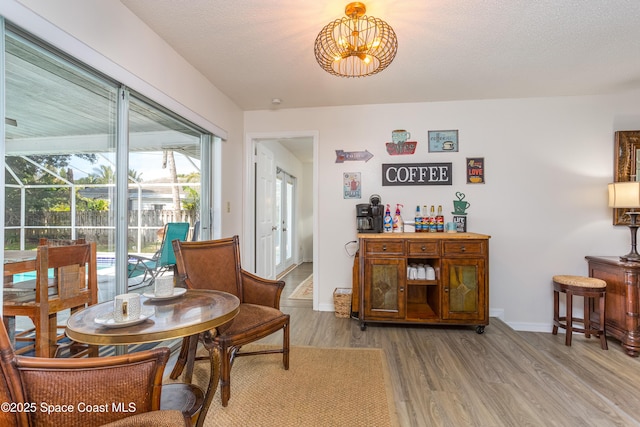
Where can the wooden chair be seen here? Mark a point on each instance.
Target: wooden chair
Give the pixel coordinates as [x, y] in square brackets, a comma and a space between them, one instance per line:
[122, 390]
[44, 241]
[73, 285]
[215, 264]
[74, 349]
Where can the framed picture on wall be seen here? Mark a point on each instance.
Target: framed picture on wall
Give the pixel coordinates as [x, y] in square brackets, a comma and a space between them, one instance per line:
[442, 141]
[351, 185]
[475, 170]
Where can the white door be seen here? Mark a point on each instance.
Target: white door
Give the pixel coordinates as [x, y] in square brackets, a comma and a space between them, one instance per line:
[285, 204]
[266, 226]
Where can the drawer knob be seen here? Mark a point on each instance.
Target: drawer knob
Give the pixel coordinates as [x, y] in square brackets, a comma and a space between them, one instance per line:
[384, 247]
[462, 249]
[424, 248]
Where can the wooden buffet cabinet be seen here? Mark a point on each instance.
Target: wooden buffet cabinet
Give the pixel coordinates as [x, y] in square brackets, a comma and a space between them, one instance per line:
[622, 301]
[459, 294]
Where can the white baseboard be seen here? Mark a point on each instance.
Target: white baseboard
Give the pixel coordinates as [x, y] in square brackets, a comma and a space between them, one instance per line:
[530, 327]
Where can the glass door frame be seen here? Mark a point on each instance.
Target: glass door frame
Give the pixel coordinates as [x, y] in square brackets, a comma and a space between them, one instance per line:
[286, 198]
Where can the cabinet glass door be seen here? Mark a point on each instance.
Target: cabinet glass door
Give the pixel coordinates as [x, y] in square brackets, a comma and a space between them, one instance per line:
[385, 292]
[463, 289]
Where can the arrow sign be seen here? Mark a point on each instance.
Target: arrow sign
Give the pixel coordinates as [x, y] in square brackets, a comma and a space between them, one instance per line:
[343, 156]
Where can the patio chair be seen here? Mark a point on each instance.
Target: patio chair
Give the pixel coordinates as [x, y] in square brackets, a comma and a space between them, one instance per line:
[118, 391]
[66, 278]
[215, 264]
[163, 260]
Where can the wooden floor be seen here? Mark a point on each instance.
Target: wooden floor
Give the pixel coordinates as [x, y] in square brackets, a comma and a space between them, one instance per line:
[444, 376]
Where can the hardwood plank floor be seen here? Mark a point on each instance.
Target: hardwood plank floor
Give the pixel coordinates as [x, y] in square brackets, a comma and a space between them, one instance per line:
[451, 376]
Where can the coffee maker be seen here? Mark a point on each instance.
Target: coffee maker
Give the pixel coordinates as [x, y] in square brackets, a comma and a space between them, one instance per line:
[369, 216]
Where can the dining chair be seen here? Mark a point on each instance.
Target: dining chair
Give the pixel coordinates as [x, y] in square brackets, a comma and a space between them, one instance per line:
[45, 241]
[66, 279]
[163, 260]
[215, 264]
[116, 391]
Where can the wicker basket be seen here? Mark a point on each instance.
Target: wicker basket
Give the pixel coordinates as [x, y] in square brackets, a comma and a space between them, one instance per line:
[342, 302]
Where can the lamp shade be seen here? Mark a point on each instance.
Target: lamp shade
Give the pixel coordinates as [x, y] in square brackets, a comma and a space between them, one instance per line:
[624, 194]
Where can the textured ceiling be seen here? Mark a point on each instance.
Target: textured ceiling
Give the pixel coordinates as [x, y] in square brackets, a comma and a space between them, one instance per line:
[256, 50]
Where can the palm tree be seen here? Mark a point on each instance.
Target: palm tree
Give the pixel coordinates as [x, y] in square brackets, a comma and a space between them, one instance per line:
[169, 160]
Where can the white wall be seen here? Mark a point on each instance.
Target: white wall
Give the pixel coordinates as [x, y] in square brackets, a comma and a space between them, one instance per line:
[306, 214]
[548, 161]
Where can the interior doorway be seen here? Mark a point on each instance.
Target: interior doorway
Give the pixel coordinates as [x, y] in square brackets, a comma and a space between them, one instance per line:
[282, 190]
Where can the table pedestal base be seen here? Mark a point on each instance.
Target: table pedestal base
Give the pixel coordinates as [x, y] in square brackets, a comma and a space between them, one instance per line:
[186, 363]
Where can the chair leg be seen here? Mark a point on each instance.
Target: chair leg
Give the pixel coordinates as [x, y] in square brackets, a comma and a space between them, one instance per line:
[285, 346]
[556, 312]
[41, 344]
[569, 321]
[52, 338]
[225, 374]
[10, 326]
[191, 357]
[587, 316]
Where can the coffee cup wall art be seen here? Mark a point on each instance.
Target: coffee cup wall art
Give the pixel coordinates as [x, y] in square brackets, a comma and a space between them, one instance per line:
[400, 144]
[443, 141]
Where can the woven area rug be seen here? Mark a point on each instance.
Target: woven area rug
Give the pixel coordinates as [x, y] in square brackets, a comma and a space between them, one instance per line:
[304, 290]
[323, 387]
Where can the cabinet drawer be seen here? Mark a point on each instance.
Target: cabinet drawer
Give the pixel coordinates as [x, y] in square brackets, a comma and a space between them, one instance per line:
[464, 248]
[420, 248]
[390, 247]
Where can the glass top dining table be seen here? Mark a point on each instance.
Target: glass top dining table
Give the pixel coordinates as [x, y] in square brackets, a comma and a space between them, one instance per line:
[191, 313]
[187, 315]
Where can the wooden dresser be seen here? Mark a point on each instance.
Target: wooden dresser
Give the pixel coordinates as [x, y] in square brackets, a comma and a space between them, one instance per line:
[622, 300]
[458, 294]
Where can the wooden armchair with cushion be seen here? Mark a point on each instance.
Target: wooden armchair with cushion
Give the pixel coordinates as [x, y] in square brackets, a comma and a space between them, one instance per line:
[123, 390]
[215, 264]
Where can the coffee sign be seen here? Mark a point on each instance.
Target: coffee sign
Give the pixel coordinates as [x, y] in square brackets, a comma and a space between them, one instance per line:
[416, 174]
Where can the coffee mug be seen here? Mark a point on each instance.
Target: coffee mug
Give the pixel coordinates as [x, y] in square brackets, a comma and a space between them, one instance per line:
[412, 273]
[164, 286]
[460, 206]
[126, 307]
[400, 136]
[431, 273]
[451, 227]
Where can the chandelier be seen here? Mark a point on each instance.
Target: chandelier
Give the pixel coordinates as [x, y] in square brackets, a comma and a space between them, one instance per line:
[356, 46]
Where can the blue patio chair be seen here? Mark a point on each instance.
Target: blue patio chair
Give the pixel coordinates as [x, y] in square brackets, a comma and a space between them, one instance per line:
[163, 260]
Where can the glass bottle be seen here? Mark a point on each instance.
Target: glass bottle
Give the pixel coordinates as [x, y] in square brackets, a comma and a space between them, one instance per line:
[432, 220]
[440, 220]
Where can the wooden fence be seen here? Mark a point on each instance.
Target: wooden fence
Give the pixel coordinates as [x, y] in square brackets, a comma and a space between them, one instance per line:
[95, 226]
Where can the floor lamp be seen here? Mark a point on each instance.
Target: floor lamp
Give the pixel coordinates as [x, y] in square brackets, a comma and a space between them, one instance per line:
[627, 195]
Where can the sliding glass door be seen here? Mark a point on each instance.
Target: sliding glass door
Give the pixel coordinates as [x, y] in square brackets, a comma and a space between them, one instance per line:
[87, 157]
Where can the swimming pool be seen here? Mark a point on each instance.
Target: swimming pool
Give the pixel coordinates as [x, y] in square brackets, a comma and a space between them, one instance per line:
[102, 264]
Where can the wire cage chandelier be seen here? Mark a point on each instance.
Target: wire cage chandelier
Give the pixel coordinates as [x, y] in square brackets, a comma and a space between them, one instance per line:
[356, 46]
